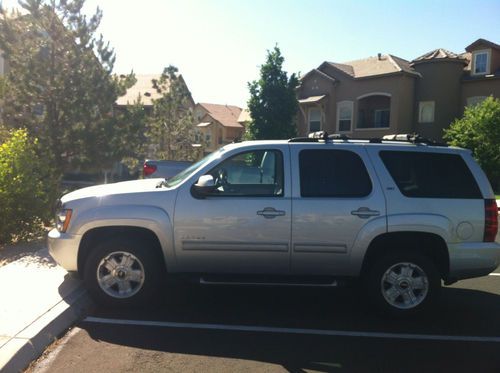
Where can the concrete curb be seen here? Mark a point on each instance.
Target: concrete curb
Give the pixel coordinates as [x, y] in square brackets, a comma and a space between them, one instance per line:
[30, 343]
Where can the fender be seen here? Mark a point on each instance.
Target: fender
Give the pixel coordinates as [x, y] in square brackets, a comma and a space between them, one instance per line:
[427, 223]
[152, 218]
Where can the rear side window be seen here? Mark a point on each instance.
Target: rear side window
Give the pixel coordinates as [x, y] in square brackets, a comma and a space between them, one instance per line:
[333, 173]
[431, 175]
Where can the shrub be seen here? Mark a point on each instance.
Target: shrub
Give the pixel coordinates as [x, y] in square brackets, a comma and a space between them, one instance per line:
[479, 131]
[24, 187]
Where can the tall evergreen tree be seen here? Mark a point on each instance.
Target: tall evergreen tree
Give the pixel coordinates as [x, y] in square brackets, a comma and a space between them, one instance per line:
[60, 84]
[273, 104]
[172, 123]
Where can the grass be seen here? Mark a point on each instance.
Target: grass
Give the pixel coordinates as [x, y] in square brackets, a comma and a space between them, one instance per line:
[497, 196]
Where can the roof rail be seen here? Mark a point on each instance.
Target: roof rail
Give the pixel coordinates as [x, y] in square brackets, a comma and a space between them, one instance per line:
[413, 138]
[320, 136]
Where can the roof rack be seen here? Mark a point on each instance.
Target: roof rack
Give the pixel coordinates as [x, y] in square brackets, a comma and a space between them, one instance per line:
[323, 136]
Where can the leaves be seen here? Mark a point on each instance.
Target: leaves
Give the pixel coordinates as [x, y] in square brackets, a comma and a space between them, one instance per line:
[479, 130]
[273, 104]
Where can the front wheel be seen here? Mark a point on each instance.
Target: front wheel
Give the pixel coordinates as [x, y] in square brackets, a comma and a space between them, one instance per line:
[403, 283]
[122, 272]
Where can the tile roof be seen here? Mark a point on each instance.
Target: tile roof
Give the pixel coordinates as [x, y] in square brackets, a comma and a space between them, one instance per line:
[144, 88]
[480, 42]
[311, 99]
[373, 66]
[227, 115]
[438, 54]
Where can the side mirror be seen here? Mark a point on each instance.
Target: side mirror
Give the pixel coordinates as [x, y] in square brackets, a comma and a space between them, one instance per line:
[204, 186]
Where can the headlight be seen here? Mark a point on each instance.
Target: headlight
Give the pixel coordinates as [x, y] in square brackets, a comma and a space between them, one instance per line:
[62, 219]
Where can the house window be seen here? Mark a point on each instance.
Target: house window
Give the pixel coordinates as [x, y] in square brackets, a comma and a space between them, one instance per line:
[426, 112]
[208, 138]
[314, 119]
[374, 111]
[382, 118]
[474, 100]
[481, 62]
[344, 116]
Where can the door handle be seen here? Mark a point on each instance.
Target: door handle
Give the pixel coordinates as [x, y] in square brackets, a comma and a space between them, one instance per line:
[365, 213]
[270, 212]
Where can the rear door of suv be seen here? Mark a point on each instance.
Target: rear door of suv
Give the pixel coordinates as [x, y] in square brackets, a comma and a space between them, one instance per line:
[336, 194]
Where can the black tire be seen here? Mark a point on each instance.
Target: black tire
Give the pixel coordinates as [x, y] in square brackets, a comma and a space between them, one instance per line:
[145, 259]
[422, 268]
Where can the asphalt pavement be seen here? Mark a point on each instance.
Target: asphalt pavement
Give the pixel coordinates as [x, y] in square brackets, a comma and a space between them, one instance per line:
[233, 329]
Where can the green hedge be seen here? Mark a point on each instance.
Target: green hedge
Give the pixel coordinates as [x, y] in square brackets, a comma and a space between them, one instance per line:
[24, 187]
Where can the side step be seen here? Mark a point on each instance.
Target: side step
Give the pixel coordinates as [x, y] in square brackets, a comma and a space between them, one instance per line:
[268, 281]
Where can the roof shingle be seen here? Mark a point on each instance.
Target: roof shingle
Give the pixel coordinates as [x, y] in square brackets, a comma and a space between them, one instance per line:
[227, 115]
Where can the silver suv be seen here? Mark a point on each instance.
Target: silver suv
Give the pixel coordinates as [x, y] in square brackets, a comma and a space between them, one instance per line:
[399, 215]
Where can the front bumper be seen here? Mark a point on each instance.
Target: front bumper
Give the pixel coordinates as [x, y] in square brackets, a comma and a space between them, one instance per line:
[475, 259]
[63, 248]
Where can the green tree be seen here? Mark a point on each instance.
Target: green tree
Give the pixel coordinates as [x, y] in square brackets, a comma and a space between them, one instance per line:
[273, 104]
[171, 125]
[60, 84]
[479, 131]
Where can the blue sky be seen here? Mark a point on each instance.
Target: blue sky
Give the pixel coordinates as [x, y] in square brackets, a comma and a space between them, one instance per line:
[218, 45]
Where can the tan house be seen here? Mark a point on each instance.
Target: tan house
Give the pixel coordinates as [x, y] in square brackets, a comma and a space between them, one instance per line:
[145, 89]
[218, 125]
[386, 94]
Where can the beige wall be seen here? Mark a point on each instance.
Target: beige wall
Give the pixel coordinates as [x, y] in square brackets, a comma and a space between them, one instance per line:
[440, 83]
[400, 87]
[479, 87]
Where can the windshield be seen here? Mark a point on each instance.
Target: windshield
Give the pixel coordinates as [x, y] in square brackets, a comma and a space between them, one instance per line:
[181, 176]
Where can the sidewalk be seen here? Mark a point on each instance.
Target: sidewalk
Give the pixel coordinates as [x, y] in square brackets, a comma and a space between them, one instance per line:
[38, 301]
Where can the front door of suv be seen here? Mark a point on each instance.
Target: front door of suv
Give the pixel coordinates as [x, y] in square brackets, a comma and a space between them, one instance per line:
[243, 227]
[336, 195]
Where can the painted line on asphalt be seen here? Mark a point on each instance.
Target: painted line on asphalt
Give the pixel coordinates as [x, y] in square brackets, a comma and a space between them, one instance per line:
[269, 329]
[495, 274]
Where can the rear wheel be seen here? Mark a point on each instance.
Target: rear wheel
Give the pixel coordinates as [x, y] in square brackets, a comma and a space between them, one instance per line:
[122, 272]
[403, 283]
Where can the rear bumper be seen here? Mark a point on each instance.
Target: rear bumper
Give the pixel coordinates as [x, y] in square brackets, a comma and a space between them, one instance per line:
[475, 259]
[64, 249]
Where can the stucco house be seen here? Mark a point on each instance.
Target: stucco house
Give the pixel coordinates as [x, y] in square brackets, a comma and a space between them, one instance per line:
[218, 125]
[386, 94]
[144, 88]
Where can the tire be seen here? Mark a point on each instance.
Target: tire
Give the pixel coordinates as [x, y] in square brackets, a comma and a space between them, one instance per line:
[403, 283]
[123, 272]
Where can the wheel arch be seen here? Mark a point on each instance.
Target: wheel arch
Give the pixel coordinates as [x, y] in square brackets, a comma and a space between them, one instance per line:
[100, 234]
[430, 244]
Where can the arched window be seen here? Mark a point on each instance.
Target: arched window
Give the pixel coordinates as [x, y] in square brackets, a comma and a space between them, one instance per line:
[374, 111]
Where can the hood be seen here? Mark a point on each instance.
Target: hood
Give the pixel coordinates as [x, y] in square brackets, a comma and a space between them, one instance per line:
[134, 186]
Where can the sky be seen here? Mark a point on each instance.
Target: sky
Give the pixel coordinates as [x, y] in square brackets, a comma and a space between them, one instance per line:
[218, 45]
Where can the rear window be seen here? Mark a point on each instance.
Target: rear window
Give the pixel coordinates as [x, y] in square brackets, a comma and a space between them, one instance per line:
[431, 175]
[333, 173]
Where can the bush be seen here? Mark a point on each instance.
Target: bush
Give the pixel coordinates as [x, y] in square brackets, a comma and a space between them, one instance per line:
[24, 187]
[479, 131]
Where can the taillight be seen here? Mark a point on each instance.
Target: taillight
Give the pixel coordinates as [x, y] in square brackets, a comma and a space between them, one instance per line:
[490, 220]
[148, 169]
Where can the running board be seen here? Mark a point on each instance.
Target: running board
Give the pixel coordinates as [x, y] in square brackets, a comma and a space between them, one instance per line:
[204, 281]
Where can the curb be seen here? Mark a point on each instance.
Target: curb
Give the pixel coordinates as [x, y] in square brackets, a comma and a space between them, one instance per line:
[31, 342]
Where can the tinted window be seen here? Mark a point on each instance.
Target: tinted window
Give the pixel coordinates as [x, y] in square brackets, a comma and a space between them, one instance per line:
[333, 173]
[431, 175]
[254, 173]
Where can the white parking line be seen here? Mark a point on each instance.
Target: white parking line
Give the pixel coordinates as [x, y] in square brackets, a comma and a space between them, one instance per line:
[269, 329]
[495, 274]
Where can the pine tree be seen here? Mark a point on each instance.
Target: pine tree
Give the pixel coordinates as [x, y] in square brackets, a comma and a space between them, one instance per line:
[273, 104]
[60, 84]
[172, 123]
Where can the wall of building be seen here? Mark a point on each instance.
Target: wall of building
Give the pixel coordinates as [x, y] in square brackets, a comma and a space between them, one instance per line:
[440, 83]
[479, 87]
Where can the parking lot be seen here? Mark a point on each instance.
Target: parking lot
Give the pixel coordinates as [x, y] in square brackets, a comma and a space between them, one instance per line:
[227, 329]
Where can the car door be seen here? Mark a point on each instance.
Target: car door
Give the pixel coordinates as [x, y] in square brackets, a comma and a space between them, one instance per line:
[243, 226]
[336, 195]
